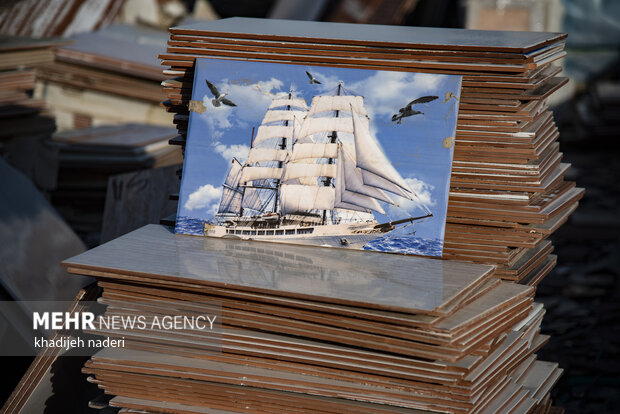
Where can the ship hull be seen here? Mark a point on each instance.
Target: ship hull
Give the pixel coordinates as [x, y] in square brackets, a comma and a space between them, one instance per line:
[354, 236]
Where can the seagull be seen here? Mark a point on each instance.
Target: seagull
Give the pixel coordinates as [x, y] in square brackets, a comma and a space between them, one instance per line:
[403, 114]
[408, 111]
[312, 78]
[219, 98]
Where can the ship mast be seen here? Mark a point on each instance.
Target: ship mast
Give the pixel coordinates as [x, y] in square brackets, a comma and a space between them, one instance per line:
[243, 188]
[266, 160]
[281, 163]
[333, 137]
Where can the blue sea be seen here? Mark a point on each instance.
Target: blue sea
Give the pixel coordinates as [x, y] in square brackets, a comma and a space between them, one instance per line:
[408, 244]
[186, 225]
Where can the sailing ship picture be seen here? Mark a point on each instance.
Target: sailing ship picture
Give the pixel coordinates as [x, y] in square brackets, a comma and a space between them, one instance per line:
[323, 156]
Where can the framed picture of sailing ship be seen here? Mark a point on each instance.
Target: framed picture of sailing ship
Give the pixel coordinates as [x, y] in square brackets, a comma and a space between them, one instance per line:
[315, 155]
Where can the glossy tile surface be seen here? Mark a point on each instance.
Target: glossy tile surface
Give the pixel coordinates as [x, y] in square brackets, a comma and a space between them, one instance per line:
[423, 37]
[359, 278]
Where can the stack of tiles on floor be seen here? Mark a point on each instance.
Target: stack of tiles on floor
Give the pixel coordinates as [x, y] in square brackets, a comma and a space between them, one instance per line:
[508, 192]
[25, 125]
[89, 157]
[307, 329]
[106, 77]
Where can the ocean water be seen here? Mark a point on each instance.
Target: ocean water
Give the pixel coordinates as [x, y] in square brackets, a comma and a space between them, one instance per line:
[186, 225]
[408, 244]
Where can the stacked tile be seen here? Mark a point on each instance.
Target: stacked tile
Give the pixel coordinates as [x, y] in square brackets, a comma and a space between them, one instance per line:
[89, 157]
[508, 192]
[306, 329]
[106, 77]
[25, 125]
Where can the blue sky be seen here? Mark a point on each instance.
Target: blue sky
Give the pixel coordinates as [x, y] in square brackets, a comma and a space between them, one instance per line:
[414, 147]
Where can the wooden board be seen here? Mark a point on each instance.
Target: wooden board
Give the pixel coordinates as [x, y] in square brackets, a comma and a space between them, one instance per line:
[391, 36]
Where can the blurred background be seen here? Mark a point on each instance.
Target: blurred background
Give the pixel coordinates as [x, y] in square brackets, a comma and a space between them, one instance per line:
[85, 154]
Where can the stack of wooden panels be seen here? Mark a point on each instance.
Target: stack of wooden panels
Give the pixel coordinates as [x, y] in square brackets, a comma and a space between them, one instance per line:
[507, 187]
[106, 77]
[25, 125]
[89, 157]
[16, 105]
[23, 52]
[308, 329]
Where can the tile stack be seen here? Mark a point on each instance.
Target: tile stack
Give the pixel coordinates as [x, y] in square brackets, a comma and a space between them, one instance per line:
[90, 158]
[106, 77]
[307, 329]
[508, 192]
[25, 124]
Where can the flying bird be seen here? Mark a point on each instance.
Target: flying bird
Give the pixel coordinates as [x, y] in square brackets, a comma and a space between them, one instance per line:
[312, 78]
[219, 98]
[403, 114]
[409, 111]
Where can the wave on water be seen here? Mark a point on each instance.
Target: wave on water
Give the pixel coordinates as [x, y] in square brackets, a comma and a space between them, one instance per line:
[187, 225]
[407, 244]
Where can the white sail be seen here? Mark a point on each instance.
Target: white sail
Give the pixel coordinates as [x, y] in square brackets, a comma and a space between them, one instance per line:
[259, 173]
[294, 170]
[339, 190]
[292, 102]
[282, 115]
[361, 200]
[351, 200]
[337, 103]
[311, 126]
[231, 201]
[302, 151]
[266, 154]
[306, 180]
[297, 198]
[354, 181]
[231, 193]
[251, 199]
[266, 132]
[347, 206]
[233, 177]
[370, 156]
[374, 180]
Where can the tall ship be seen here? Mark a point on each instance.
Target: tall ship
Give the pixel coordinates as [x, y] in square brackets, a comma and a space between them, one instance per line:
[313, 176]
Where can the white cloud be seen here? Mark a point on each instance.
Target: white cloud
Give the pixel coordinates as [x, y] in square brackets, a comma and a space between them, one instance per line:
[328, 82]
[385, 92]
[216, 116]
[228, 152]
[252, 102]
[422, 189]
[206, 196]
[424, 193]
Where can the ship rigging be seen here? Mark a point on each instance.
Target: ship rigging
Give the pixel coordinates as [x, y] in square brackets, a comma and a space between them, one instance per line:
[314, 175]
